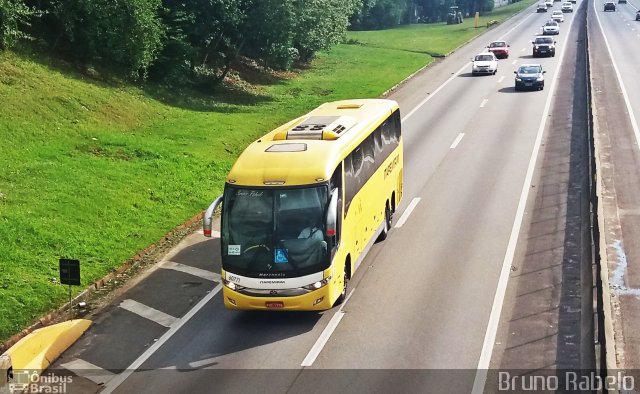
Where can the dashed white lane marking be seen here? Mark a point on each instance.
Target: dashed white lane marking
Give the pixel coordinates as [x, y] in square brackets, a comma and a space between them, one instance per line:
[424, 101]
[452, 77]
[86, 370]
[187, 269]
[514, 62]
[457, 141]
[148, 313]
[119, 379]
[407, 212]
[501, 79]
[483, 103]
[523, 49]
[326, 334]
[498, 299]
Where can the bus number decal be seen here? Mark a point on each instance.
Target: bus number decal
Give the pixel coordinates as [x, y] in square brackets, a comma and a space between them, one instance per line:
[391, 166]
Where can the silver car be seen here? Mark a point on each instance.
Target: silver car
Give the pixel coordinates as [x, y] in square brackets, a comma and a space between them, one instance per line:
[551, 28]
[484, 63]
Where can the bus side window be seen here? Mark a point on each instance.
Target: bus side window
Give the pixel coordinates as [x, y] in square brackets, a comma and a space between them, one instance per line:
[350, 186]
[397, 126]
[336, 183]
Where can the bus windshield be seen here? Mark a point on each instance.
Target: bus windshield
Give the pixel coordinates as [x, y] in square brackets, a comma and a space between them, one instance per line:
[274, 232]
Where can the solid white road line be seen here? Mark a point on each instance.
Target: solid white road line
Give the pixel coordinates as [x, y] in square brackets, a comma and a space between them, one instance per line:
[501, 79]
[148, 312]
[407, 212]
[632, 117]
[452, 77]
[119, 379]
[326, 334]
[457, 141]
[496, 310]
[483, 103]
[424, 101]
[187, 269]
[89, 371]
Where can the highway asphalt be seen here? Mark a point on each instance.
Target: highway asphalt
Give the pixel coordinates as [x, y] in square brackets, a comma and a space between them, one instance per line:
[487, 270]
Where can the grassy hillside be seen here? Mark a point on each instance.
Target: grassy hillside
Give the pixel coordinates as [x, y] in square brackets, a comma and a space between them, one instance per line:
[99, 170]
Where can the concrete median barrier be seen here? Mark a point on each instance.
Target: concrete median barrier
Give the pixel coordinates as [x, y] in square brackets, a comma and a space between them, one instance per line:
[5, 369]
[43, 346]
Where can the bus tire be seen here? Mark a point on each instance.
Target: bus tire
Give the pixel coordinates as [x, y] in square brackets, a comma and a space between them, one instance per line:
[345, 284]
[387, 225]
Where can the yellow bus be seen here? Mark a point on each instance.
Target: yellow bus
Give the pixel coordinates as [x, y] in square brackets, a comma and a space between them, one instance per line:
[303, 204]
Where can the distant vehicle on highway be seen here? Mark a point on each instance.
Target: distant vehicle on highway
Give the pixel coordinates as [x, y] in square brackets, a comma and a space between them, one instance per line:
[549, 3]
[557, 16]
[500, 49]
[529, 76]
[609, 6]
[638, 15]
[567, 6]
[622, 1]
[544, 46]
[542, 7]
[484, 63]
[551, 28]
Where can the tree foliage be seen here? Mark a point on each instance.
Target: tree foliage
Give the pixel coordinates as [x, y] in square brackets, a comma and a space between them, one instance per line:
[14, 17]
[380, 14]
[196, 41]
[125, 34]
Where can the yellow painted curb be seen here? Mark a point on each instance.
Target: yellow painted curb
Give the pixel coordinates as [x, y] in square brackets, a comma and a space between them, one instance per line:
[43, 346]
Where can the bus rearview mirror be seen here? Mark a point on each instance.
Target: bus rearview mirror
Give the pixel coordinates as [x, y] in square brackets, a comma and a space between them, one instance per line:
[207, 219]
[332, 214]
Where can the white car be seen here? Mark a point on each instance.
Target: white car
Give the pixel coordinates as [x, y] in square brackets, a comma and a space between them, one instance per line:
[551, 28]
[557, 16]
[484, 63]
[549, 3]
[567, 6]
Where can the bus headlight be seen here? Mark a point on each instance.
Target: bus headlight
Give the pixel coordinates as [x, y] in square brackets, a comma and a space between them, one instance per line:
[231, 285]
[318, 284]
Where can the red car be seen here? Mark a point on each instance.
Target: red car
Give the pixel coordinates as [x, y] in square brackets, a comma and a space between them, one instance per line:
[500, 49]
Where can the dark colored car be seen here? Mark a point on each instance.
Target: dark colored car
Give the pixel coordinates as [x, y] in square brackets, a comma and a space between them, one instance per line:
[529, 76]
[609, 6]
[544, 46]
[638, 15]
[622, 1]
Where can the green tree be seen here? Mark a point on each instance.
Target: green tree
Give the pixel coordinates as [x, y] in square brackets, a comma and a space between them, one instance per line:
[269, 30]
[319, 24]
[126, 34]
[380, 14]
[14, 17]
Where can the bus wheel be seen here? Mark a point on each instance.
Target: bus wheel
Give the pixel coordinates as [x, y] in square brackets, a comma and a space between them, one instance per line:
[387, 225]
[345, 282]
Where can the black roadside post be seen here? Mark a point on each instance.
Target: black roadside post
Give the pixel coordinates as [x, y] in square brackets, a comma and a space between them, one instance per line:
[70, 275]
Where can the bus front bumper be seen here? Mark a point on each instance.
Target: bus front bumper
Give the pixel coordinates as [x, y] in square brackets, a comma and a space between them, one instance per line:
[316, 300]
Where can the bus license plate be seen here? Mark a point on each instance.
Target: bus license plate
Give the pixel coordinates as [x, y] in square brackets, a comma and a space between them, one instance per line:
[274, 304]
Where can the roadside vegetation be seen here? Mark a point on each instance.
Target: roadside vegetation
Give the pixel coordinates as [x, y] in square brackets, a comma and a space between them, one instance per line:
[96, 168]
